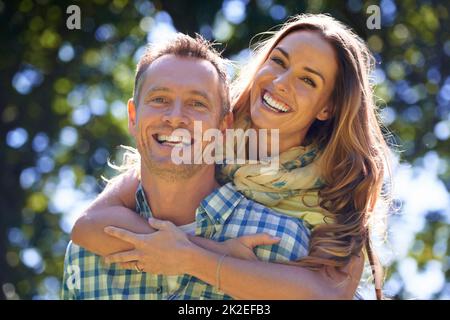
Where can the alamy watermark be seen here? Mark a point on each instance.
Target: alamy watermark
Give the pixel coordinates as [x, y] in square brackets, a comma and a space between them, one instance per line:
[374, 20]
[233, 146]
[73, 277]
[74, 20]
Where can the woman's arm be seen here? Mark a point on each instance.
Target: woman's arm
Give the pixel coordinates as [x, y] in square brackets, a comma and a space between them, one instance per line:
[239, 278]
[245, 279]
[113, 207]
[169, 252]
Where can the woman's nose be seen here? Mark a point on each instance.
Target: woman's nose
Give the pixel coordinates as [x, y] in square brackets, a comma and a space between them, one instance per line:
[281, 82]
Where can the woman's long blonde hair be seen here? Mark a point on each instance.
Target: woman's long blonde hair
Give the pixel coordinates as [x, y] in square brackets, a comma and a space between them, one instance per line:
[355, 154]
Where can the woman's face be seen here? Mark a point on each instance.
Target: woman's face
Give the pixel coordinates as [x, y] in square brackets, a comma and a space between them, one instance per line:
[292, 88]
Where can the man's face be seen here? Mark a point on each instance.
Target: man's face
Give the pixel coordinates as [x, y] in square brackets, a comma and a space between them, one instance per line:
[175, 92]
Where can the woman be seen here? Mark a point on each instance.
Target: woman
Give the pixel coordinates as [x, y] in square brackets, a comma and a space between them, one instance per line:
[310, 80]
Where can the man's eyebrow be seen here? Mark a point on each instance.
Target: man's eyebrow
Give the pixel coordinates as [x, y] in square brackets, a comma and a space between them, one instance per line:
[154, 89]
[286, 55]
[200, 93]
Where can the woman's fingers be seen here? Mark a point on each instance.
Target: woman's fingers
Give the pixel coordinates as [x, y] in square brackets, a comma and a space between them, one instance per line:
[121, 257]
[259, 239]
[160, 224]
[128, 265]
[123, 234]
[133, 265]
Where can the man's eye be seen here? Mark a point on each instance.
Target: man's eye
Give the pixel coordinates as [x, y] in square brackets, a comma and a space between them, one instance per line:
[159, 100]
[308, 81]
[198, 104]
[278, 61]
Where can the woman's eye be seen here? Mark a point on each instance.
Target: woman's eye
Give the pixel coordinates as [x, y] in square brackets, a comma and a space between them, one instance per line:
[278, 61]
[309, 81]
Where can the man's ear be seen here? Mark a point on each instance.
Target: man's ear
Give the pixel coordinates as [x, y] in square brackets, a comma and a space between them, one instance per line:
[324, 114]
[227, 122]
[132, 124]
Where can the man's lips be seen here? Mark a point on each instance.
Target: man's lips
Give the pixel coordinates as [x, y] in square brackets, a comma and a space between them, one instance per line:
[170, 140]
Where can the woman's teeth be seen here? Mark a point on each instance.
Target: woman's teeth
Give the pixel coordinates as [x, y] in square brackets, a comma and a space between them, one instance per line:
[273, 104]
[173, 140]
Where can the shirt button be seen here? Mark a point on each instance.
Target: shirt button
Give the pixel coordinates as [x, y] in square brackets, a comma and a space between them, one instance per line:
[159, 290]
[217, 220]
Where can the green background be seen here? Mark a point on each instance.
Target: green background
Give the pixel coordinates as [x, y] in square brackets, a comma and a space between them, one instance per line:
[63, 100]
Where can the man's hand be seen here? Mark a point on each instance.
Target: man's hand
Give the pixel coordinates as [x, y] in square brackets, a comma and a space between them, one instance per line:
[162, 252]
[167, 250]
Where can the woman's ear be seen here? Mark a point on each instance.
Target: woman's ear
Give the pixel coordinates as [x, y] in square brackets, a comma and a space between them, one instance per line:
[131, 117]
[324, 114]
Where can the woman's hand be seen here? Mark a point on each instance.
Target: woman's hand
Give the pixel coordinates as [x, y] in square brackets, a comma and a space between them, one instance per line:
[163, 252]
[167, 250]
[242, 247]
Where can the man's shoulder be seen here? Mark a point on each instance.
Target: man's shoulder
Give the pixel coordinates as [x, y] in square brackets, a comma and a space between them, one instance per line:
[251, 217]
[251, 209]
[258, 214]
[75, 254]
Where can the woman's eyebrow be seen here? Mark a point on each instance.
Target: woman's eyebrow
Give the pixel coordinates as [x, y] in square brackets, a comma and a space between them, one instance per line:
[286, 55]
[283, 52]
[315, 72]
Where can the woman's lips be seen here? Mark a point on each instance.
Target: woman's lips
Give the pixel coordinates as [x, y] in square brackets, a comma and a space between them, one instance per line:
[273, 104]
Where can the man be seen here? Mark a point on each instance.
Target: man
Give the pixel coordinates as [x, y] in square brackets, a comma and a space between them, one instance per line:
[176, 84]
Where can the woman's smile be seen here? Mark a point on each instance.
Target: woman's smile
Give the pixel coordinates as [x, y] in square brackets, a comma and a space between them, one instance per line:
[274, 104]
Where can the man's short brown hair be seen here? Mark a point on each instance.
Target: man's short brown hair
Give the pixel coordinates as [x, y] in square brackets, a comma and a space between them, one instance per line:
[185, 46]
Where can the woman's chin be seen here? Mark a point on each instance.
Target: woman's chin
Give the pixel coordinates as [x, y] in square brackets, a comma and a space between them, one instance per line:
[261, 121]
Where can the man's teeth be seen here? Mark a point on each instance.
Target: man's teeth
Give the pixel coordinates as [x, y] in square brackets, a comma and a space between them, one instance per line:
[272, 103]
[173, 139]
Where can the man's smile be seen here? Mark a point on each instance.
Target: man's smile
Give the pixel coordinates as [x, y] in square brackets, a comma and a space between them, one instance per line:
[173, 140]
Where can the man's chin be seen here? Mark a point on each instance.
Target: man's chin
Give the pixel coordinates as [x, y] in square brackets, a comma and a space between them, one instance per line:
[172, 171]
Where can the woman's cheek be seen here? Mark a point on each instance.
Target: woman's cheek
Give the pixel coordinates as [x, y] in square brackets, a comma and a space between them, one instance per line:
[264, 72]
[305, 94]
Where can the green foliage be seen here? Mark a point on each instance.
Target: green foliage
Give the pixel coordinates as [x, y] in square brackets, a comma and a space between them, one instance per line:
[63, 97]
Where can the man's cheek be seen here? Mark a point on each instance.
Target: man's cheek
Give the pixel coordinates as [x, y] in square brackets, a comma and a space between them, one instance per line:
[143, 138]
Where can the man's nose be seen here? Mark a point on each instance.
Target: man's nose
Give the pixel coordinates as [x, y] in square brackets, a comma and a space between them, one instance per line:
[175, 115]
[281, 82]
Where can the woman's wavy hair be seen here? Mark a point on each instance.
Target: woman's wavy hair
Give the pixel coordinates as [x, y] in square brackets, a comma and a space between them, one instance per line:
[355, 155]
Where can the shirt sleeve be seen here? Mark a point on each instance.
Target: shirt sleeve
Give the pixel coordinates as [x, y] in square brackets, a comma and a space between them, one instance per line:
[294, 243]
[252, 218]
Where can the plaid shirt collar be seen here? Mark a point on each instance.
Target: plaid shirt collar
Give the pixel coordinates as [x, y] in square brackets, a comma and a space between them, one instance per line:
[225, 197]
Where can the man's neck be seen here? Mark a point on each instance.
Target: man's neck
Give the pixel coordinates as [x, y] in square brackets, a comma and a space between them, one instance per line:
[177, 200]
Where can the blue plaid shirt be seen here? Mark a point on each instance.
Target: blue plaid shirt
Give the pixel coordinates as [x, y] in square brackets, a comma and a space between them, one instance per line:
[222, 215]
